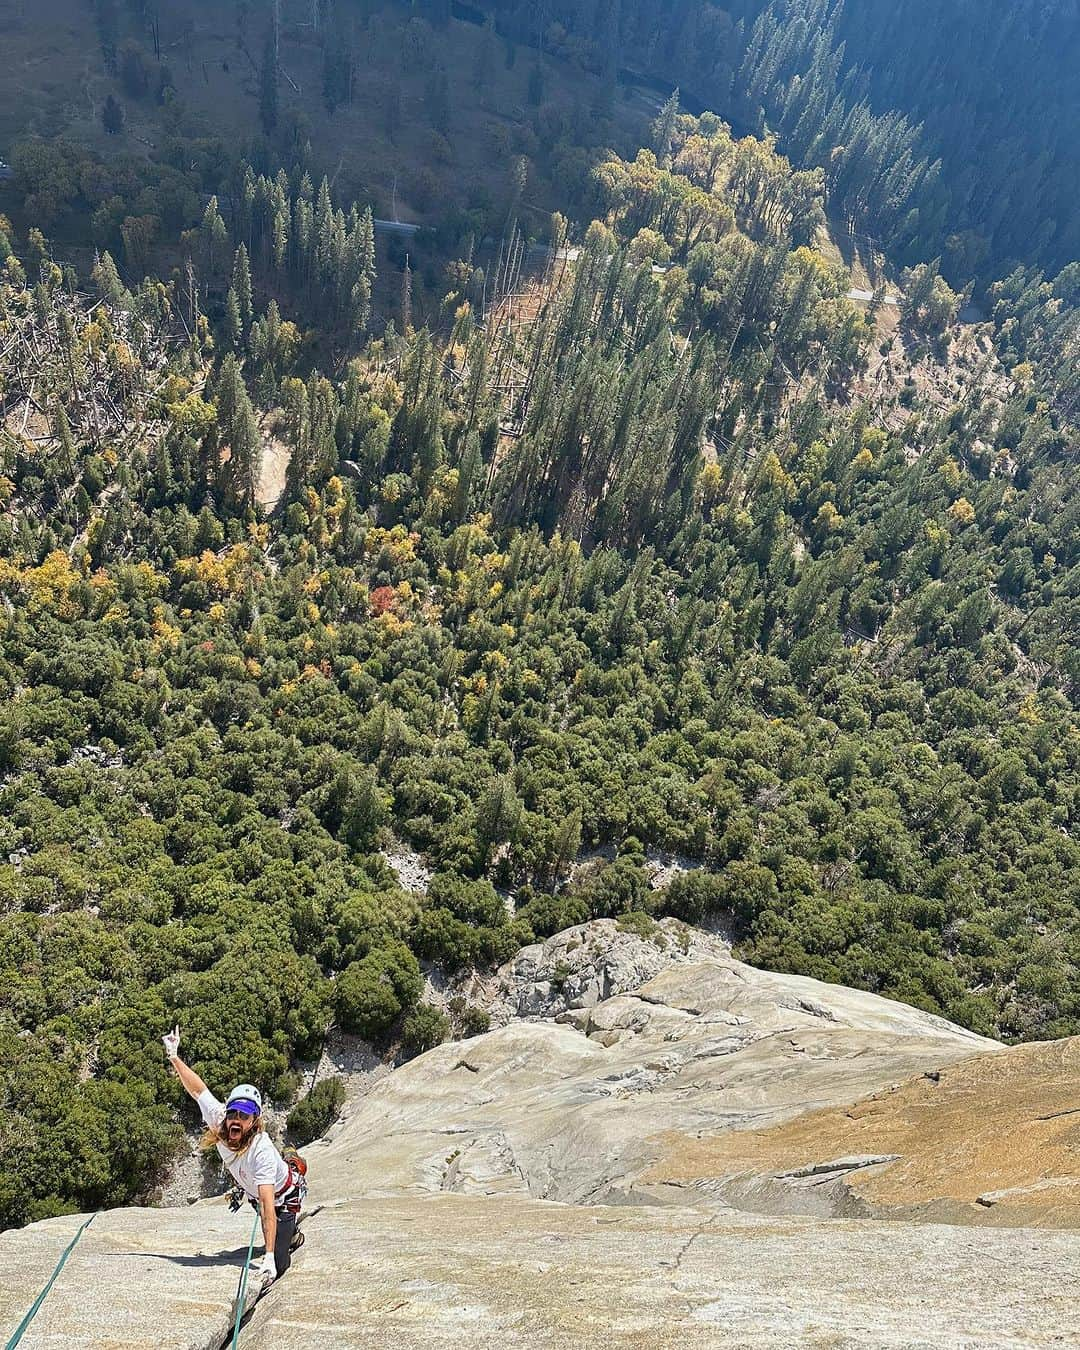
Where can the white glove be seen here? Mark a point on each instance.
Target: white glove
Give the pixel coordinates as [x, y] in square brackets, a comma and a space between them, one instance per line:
[266, 1270]
[171, 1042]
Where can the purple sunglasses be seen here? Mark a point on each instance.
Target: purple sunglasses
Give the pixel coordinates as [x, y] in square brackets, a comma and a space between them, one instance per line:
[241, 1107]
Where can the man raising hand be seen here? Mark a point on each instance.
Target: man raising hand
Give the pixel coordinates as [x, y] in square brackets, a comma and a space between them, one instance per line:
[274, 1187]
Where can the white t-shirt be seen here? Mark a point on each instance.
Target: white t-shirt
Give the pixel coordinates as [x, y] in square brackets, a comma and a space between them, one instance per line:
[259, 1165]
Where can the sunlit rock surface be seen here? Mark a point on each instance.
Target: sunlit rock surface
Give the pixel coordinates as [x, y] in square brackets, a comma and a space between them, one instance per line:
[660, 1147]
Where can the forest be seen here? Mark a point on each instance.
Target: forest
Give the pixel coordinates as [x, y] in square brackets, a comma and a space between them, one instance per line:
[650, 540]
[922, 115]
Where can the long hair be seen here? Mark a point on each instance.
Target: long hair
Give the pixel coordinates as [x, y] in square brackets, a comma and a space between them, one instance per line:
[214, 1135]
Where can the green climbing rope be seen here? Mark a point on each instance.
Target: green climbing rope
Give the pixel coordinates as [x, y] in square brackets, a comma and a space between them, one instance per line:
[242, 1290]
[21, 1328]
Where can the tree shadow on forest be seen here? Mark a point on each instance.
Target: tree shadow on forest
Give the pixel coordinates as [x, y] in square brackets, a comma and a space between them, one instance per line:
[857, 250]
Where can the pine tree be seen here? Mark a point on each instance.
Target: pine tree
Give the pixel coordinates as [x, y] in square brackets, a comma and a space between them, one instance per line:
[535, 88]
[81, 504]
[239, 431]
[112, 116]
[499, 811]
[65, 457]
[663, 129]
[280, 228]
[406, 297]
[245, 205]
[108, 283]
[324, 231]
[518, 178]
[213, 234]
[361, 271]
[303, 233]
[234, 325]
[469, 472]
[65, 329]
[567, 843]
[322, 402]
[294, 400]
[241, 285]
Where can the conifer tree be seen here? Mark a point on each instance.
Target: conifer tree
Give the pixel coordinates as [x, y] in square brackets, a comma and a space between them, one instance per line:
[239, 433]
[234, 325]
[663, 129]
[108, 283]
[241, 285]
[519, 176]
[406, 297]
[245, 204]
[213, 234]
[362, 270]
[469, 471]
[112, 116]
[498, 813]
[567, 843]
[65, 457]
[280, 227]
[294, 400]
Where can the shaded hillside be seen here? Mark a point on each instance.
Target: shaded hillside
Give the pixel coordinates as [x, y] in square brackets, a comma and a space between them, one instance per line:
[421, 116]
[923, 116]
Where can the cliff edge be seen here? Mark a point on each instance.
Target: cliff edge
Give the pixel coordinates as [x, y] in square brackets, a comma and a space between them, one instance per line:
[659, 1146]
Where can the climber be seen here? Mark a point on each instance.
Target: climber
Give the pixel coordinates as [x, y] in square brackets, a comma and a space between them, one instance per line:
[274, 1185]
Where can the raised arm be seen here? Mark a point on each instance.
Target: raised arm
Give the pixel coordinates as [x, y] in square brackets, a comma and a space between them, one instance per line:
[193, 1085]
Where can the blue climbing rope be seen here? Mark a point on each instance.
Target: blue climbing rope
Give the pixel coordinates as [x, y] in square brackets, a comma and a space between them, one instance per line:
[242, 1290]
[21, 1328]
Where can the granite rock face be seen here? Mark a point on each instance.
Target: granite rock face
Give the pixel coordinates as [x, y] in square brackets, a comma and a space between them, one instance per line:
[635, 1043]
[657, 1146]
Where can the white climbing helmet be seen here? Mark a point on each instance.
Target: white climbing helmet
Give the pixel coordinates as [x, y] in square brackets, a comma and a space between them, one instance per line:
[245, 1093]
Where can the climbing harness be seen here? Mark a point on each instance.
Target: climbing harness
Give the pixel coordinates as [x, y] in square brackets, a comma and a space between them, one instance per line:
[292, 1192]
[241, 1291]
[289, 1196]
[21, 1328]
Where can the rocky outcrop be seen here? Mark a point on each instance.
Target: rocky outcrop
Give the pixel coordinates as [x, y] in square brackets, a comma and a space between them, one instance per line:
[658, 1146]
[994, 1139]
[635, 1043]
